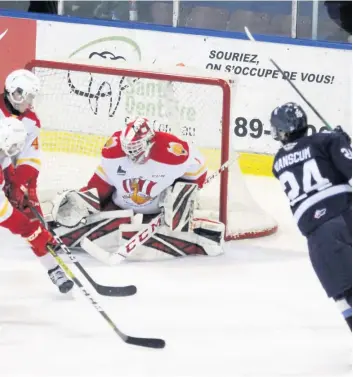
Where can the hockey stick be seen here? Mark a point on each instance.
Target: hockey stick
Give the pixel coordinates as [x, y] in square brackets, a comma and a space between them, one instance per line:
[140, 237]
[251, 38]
[136, 241]
[103, 290]
[143, 342]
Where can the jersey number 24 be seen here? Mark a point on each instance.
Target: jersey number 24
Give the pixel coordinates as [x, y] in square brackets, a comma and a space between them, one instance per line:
[312, 181]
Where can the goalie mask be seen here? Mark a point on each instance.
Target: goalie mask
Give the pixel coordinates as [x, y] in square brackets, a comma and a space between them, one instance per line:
[137, 140]
[21, 87]
[12, 136]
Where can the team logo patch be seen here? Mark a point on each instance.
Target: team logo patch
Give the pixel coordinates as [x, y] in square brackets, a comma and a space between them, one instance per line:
[319, 213]
[177, 149]
[121, 171]
[138, 190]
[289, 146]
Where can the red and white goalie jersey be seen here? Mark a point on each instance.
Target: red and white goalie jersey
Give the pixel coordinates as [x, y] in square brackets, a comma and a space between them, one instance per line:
[138, 185]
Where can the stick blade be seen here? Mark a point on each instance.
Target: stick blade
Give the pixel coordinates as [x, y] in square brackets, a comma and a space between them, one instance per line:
[100, 254]
[146, 342]
[128, 290]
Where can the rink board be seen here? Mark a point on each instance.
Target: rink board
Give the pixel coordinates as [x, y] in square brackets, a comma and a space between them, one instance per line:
[91, 146]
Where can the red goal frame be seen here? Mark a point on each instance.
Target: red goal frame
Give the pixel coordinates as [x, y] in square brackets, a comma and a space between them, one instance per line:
[177, 77]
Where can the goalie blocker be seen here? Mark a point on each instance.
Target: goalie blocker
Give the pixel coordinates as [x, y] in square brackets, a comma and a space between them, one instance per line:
[75, 216]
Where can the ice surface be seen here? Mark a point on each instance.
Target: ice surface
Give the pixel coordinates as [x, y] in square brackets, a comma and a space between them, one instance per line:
[256, 311]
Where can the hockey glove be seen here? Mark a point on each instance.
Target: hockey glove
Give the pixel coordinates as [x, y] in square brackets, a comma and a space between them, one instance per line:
[340, 130]
[31, 200]
[17, 196]
[23, 190]
[19, 182]
[39, 239]
[9, 174]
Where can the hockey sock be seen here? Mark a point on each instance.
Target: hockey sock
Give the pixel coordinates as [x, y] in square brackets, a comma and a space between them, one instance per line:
[349, 301]
[48, 262]
[344, 304]
[349, 322]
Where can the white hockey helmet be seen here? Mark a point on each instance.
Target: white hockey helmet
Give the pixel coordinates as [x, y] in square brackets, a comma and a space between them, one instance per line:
[21, 87]
[12, 136]
[137, 140]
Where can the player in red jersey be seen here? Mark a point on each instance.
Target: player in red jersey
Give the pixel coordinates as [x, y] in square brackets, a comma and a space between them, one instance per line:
[12, 140]
[21, 87]
[145, 172]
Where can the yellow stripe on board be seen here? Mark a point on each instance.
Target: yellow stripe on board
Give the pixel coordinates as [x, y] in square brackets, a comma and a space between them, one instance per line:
[69, 142]
[250, 163]
[91, 146]
[256, 164]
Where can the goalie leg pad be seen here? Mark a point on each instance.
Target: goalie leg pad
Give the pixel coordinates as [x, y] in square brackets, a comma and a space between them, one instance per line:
[178, 204]
[210, 229]
[102, 228]
[206, 238]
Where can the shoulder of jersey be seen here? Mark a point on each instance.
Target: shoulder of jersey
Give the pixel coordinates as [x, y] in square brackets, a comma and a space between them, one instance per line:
[112, 148]
[32, 116]
[317, 140]
[169, 149]
[323, 137]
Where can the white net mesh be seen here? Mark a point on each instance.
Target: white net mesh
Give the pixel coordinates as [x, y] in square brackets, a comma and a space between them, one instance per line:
[79, 110]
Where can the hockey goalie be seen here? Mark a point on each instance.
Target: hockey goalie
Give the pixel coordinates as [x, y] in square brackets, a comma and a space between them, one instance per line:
[143, 173]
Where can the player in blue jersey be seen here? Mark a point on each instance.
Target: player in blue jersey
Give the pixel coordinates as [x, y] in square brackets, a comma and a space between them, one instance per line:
[316, 175]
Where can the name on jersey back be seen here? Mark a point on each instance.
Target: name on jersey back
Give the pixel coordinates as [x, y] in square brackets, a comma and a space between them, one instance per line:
[292, 158]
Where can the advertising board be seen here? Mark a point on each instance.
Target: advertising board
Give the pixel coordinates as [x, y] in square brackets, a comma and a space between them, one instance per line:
[17, 44]
[322, 74]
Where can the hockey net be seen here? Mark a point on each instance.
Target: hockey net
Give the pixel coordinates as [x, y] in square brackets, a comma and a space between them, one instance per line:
[81, 105]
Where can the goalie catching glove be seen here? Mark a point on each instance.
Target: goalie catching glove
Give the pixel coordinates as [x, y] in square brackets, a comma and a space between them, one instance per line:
[74, 215]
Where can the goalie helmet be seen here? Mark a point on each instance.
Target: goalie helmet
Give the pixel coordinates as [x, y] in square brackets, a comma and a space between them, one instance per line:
[12, 136]
[21, 87]
[137, 140]
[288, 122]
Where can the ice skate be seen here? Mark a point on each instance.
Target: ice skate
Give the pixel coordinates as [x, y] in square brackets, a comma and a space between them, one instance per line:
[58, 277]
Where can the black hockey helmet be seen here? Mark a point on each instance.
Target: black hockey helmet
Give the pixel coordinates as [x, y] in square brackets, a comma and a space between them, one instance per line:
[288, 122]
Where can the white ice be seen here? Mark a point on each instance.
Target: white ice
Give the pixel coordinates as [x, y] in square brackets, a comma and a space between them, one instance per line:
[256, 311]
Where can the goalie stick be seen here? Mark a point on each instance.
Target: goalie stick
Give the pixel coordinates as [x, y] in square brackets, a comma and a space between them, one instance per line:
[143, 342]
[103, 290]
[252, 39]
[140, 237]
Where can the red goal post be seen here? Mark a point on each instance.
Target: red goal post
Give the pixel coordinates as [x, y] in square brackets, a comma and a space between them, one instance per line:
[72, 126]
